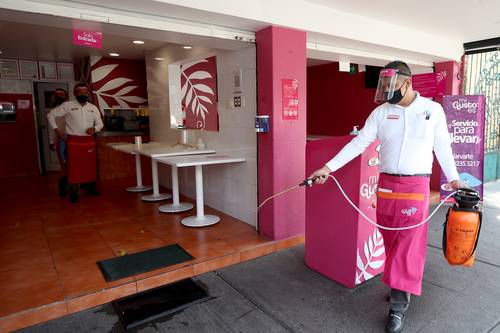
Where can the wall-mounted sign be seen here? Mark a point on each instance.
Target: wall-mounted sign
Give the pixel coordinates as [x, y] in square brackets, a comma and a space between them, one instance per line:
[465, 116]
[87, 38]
[290, 99]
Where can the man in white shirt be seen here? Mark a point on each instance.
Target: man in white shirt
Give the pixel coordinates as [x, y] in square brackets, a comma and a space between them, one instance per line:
[59, 145]
[83, 119]
[410, 128]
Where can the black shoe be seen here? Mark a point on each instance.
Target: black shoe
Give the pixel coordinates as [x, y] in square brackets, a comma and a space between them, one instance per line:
[63, 186]
[73, 193]
[395, 322]
[90, 188]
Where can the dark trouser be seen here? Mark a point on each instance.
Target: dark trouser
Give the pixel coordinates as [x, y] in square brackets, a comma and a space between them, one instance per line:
[400, 301]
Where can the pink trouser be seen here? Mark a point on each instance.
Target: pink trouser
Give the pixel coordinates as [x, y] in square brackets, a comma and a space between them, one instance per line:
[403, 201]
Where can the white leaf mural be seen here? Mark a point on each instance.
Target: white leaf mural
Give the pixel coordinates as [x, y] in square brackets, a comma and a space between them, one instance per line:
[125, 90]
[192, 93]
[204, 88]
[113, 84]
[121, 102]
[191, 64]
[101, 72]
[102, 103]
[205, 99]
[373, 249]
[109, 75]
[133, 99]
[200, 75]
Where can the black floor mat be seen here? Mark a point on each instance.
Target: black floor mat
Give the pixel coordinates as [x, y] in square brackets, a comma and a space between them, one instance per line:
[141, 262]
[156, 303]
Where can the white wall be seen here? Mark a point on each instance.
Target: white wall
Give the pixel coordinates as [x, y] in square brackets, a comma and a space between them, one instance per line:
[230, 188]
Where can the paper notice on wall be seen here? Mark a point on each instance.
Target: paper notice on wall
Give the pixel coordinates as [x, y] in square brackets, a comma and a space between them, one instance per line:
[23, 104]
[290, 99]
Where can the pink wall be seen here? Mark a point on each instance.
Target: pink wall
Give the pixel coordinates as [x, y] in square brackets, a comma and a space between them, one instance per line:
[281, 54]
[336, 101]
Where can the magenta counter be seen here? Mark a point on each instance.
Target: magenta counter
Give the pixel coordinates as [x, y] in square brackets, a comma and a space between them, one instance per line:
[339, 243]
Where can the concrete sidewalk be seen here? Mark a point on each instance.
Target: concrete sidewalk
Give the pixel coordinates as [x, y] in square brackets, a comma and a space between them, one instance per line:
[278, 293]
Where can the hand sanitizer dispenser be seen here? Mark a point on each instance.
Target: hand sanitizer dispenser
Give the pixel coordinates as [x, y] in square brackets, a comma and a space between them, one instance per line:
[262, 124]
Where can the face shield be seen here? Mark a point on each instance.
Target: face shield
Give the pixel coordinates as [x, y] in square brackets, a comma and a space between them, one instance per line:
[387, 82]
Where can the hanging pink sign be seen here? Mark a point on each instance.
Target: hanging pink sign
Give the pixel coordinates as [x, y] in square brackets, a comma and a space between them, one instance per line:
[290, 99]
[87, 38]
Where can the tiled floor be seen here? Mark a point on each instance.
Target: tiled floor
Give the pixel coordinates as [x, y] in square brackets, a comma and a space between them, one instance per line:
[49, 247]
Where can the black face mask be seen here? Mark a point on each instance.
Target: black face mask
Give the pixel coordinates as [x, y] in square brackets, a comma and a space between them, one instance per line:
[397, 96]
[59, 100]
[82, 98]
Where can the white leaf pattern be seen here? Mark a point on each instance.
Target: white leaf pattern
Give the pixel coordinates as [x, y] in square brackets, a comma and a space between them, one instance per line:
[100, 73]
[189, 96]
[359, 262]
[125, 90]
[122, 103]
[191, 64]
[119, 98]
[376, 264]
[366, 250]
[133, 99]
[193, 93]
[204, 88]
[184, 90]
[373, 249]
[205, 99]
[200, 75]
[102, 103]
[115, 83]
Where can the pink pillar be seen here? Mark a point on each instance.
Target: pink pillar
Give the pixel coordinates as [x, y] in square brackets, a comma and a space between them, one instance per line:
[450, 71]
[281, 54]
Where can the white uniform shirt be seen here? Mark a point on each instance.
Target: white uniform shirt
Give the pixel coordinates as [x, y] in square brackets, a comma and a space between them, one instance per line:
[78, 118]
[408, 135]
[61, 124]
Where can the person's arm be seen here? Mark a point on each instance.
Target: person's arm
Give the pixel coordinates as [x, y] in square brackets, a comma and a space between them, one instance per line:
[52, 134]
[98, 124]
[442, 149]
[59, 111]
[98, 121]
[366, 136]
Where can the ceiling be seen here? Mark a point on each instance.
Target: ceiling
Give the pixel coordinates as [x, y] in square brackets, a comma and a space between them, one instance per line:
[50, 38]
[34, 42]
[465, 20]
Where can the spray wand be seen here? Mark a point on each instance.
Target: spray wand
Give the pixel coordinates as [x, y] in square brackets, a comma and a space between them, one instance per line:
[308, 182]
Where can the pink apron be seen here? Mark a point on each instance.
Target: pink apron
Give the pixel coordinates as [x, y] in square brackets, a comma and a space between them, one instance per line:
[403, 201]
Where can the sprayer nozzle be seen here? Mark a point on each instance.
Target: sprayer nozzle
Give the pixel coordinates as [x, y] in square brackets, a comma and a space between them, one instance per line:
[308, 182]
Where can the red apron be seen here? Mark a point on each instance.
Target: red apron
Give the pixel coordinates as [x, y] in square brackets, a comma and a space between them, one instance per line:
[82, 159]
[403, 201]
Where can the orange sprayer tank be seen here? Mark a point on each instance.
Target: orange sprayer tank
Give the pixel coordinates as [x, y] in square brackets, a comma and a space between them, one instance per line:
[462, 228]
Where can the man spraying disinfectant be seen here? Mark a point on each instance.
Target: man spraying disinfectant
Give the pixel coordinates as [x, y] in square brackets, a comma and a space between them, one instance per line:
[410, 128]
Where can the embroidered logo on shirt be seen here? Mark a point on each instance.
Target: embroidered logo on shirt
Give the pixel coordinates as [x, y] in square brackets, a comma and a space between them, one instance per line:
[393, 116]
[409, 211]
